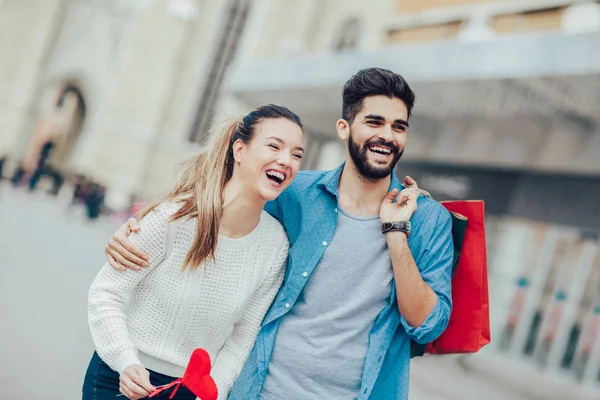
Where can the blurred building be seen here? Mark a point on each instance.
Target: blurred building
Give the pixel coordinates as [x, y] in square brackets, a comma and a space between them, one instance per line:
[508, 110]
[122, 87]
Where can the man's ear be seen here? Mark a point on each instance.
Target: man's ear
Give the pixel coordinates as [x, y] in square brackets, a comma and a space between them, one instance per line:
[238, 149]
[343, 129]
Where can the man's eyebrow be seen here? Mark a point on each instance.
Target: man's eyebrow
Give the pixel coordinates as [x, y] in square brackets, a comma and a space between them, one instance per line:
[401, 122]
[375, 117]
[380, 118]
[282, 142]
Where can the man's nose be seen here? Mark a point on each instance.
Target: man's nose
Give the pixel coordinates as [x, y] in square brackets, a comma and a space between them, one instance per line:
[386, 133]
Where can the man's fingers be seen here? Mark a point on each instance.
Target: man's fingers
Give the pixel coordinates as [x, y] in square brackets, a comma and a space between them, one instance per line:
[391, 195]
[126, 263]
[108, 253]
[133, 225]
[402, 199]
[405, 196]
[408, 181]
[117, 248]
[135, 252]
[115, 264]
[111, 260]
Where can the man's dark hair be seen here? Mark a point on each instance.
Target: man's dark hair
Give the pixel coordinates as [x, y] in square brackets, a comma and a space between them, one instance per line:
[374, 82]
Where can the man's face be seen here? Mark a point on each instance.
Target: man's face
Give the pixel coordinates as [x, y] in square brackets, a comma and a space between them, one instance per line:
[377, 136]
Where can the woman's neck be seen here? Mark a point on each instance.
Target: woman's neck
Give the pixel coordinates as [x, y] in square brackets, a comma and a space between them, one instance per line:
[241, 211]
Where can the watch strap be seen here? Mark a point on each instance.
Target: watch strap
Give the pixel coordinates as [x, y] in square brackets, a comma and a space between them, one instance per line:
[402, 226]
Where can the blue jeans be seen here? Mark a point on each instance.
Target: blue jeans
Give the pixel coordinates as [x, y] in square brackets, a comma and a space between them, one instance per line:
[102, 383]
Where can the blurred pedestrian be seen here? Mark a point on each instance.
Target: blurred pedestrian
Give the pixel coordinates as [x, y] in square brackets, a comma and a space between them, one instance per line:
[3, 160]
[95, 201]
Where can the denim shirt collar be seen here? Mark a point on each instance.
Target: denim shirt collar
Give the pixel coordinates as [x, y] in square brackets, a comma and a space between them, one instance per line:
[331, 179]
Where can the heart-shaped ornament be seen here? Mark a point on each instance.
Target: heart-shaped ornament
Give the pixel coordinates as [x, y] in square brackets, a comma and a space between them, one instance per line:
[197, 376]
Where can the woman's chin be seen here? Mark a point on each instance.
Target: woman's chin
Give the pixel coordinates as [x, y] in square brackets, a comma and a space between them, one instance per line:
[269, 194]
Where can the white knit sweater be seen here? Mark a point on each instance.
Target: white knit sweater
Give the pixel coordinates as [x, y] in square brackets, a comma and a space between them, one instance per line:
[157, 316]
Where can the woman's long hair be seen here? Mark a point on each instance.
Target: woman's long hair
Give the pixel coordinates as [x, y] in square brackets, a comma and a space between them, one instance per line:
[202, 181]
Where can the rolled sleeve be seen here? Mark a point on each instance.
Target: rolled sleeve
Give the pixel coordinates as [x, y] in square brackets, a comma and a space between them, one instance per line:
[432, 327]
[435, 265]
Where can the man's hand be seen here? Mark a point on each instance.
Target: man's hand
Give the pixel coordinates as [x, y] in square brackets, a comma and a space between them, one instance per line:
[121, 253]
[410, 183]
[134, 382]
[401, 209]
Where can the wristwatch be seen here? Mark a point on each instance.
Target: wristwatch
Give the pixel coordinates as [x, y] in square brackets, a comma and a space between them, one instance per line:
[402, 226]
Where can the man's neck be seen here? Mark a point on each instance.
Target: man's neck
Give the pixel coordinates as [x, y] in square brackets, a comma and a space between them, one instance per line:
[360, 196]
[241, 213]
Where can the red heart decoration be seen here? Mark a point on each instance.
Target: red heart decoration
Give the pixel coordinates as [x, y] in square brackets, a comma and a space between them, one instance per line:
[197, 376]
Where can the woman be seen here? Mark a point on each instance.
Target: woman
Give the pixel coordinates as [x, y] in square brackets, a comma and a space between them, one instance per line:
[216, 261]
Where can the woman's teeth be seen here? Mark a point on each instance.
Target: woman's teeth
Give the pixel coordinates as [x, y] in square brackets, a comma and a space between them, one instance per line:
[278, 176]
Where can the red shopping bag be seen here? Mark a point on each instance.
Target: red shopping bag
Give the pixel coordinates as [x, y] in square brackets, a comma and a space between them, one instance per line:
[469, 326]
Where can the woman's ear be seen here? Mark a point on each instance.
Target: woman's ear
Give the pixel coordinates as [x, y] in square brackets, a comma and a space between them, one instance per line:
[343, 129]
[238, 149]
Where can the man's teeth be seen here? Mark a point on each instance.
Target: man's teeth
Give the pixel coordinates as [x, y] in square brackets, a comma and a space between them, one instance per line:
[277, 175]
[380, 149]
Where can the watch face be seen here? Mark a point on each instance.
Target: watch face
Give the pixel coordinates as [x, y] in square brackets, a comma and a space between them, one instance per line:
[403, 226]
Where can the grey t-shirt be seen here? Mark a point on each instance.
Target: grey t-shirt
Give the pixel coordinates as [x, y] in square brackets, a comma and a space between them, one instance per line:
[321, 344]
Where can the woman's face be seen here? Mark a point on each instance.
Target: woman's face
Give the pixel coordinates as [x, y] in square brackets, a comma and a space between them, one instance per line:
[271, 160]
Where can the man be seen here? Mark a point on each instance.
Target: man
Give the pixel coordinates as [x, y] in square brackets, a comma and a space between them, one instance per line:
[353, 297]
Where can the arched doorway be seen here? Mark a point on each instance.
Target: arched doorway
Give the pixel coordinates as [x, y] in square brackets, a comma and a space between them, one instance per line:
[57, 127]
[70, 112]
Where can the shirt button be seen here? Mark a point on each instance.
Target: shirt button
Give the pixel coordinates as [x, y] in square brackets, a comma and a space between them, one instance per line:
[324, 243]
[335, 210]
[287, 305]
[305, 274]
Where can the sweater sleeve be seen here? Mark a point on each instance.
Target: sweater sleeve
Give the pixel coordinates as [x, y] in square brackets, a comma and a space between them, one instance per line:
[111, 289]
[232, 356]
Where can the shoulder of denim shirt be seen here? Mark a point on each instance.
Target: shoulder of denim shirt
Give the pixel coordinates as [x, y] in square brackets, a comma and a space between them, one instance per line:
[307, 179]
[431, 211]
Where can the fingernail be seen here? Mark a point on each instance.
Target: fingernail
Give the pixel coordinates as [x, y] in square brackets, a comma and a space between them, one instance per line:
[145, 264]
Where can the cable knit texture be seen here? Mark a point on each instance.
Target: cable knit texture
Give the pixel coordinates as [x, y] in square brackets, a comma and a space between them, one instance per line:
[157, 316]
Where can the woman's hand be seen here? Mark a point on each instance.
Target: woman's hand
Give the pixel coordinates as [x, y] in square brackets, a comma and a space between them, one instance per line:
[134, 382]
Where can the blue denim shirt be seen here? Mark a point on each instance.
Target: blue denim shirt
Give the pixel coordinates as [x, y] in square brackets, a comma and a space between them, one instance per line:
[308, 212]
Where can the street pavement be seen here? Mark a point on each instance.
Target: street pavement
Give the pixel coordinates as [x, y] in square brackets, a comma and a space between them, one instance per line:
[49, 255]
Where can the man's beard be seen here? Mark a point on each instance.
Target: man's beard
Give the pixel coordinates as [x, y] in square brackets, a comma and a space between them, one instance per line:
[360, 158]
